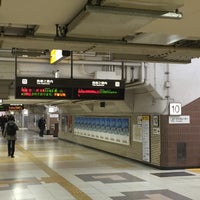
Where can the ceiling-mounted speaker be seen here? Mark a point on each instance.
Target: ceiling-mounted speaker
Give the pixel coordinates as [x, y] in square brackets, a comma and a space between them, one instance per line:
[102, 104]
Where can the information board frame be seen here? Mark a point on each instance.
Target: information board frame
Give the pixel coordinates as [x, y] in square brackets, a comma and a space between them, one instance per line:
[68, 89]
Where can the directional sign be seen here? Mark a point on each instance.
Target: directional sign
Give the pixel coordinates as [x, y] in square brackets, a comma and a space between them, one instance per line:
[183, 119]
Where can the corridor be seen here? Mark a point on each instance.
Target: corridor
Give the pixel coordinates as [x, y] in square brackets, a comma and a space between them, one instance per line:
[51, 169]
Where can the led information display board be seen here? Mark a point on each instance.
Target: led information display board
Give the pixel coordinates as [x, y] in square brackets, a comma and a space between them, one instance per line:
[3, 107]
[62, 88]
[98, 89]
[13, 107]
[42, 88]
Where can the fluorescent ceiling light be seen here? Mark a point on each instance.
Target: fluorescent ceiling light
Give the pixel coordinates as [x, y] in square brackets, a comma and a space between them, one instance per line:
[175, 15]
[135, 12]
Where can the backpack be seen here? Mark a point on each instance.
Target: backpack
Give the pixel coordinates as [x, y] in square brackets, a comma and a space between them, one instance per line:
[11, 129]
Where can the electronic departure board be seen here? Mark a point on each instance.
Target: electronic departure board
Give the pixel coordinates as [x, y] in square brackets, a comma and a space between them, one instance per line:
[62, 88]
[43, 88]
[13, 107]
[98, 89]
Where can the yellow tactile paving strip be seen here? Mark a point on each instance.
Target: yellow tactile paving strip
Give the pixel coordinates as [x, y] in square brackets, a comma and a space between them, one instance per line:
[59, 158]
[195, 170]
[54, 177]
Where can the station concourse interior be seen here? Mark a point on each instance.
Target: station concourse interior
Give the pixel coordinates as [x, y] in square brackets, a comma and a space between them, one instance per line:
[121, 102]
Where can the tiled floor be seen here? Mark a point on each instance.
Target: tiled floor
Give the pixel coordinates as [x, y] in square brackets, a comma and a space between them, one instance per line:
[51, 169]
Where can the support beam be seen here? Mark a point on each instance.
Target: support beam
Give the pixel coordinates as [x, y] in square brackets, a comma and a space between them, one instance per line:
[133, 51]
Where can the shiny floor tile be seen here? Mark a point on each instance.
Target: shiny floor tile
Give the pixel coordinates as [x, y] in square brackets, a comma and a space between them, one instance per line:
[110, 177]
[154, 194]
[172, 174]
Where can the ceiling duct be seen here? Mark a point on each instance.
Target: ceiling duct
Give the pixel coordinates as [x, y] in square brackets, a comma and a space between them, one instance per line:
[145, 4]
[18, 30]
[135, 12]
[29, 52]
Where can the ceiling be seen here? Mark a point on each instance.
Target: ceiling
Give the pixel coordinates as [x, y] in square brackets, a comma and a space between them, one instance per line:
[129, 30]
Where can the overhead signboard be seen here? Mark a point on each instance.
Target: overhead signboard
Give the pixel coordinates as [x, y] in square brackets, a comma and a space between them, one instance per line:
[11, 107]
[42, 88]
[62, 88]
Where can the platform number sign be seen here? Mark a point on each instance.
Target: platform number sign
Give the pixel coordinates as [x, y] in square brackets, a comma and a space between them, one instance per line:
[175, 109]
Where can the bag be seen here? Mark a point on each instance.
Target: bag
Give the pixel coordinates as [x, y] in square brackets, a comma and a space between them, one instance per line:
[11, 129]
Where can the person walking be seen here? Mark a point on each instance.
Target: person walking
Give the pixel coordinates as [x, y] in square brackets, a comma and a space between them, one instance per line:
[10, 133]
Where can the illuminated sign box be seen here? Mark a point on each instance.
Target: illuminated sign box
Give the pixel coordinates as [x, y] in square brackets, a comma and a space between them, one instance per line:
[15, 107]
[62, 88]
[56, 55]
[11, 107]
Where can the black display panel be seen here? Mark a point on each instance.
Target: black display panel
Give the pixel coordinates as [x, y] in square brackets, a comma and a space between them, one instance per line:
[98, 89]
[43, 88]
[61, 88]
[95, 94]
[12, 107]
[4, 107]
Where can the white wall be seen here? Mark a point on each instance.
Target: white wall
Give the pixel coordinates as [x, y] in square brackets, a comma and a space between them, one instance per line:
[185, 82]
[170, 83]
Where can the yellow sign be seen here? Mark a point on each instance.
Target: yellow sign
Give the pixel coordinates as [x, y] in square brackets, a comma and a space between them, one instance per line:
[55, 56]
[146, 118]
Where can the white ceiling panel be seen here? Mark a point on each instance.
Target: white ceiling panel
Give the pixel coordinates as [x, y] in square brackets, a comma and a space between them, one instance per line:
[39, 12]
[188, 26]
[117, 19]
[108, 26]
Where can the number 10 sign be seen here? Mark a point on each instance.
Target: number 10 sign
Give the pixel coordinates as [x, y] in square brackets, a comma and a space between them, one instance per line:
[175, 109]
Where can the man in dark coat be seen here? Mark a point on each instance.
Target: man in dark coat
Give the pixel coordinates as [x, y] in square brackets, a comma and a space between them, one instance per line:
[10, 133]
[41, 126]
